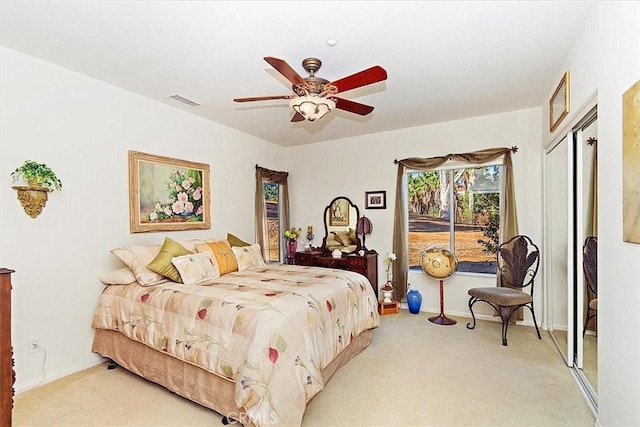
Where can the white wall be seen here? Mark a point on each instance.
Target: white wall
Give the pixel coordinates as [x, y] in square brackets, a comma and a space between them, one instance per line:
[349, 167]
[606, 60]
[83, 129]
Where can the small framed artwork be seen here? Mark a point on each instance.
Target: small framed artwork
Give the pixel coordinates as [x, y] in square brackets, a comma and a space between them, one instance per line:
[167, 194]
[376, 200]
[559, 103]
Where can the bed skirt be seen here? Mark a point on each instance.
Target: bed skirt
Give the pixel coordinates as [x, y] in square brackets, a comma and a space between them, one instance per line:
[191, 381]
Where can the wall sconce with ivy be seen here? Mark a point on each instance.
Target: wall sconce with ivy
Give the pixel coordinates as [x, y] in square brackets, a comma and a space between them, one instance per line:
[40, 180]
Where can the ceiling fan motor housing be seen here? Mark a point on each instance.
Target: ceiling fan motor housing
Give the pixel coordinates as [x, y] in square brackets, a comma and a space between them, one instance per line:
[314, 85]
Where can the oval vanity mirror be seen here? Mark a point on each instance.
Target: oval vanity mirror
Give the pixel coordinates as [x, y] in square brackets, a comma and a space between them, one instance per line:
[340, 218]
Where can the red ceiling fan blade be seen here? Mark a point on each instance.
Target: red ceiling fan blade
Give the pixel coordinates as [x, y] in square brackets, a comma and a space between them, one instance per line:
[352, 106]
[366, 77]
[297, 117]
[262, 98]
[285, 69]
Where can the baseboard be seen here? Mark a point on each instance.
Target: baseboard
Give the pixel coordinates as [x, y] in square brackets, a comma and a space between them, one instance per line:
[467, 315]
[31, 384]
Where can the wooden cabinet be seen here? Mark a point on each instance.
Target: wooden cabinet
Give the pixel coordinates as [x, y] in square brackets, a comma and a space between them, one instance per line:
[367, 265]
[307, 258]
[7, 374]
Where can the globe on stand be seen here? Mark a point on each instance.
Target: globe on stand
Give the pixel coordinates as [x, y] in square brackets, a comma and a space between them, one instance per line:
[439, 263]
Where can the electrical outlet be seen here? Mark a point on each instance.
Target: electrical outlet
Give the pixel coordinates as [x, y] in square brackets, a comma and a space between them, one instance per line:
[34, 345]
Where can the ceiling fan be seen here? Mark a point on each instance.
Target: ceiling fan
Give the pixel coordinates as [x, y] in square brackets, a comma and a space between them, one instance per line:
[313, 97]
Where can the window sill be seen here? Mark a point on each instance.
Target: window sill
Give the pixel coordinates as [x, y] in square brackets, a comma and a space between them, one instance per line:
[461, 273]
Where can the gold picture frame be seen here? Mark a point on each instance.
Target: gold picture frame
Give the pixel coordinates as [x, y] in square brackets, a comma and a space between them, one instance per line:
[167, 194]
[631, 164]
[559, 103]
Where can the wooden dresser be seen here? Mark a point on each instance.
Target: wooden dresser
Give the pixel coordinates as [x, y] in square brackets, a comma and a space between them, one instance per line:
[7, 374]
[367, 265]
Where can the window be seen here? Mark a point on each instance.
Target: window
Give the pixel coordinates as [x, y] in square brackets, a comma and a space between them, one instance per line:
[273, 214]
[471, 228]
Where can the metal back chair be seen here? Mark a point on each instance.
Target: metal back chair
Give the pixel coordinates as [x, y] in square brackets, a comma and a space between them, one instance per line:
[590, 268]
[518, 260]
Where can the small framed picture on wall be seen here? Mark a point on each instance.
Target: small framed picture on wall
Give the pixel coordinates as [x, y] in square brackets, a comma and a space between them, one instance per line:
[376, 199]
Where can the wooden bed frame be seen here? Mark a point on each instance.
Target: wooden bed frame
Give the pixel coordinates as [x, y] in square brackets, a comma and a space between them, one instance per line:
[191, 381]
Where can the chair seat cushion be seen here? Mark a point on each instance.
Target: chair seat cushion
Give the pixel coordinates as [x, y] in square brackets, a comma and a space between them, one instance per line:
[501, 296]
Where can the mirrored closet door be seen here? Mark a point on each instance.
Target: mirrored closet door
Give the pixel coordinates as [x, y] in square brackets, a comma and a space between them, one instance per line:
[571, 250]
[559, 211]
[586, 243]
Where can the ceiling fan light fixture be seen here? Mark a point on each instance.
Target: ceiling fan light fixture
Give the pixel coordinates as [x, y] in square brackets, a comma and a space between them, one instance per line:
[312, 107]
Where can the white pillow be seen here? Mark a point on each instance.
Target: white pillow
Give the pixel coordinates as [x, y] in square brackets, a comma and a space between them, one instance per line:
[121, 276]
[248, 256]
[195, 269]
[136, 257]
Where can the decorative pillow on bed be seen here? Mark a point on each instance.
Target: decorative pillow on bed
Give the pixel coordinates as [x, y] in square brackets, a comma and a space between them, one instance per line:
[190, 244]
[121, 276]
[222, 256]
[236, 241]
[162, 265]
[195, 269]
[136, 258]
[248, 256]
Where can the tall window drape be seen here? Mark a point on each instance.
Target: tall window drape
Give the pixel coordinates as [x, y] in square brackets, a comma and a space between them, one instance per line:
[508, 218]
[266, 175]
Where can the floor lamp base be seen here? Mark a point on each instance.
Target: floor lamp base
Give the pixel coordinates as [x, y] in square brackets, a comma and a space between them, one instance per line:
[442, 320]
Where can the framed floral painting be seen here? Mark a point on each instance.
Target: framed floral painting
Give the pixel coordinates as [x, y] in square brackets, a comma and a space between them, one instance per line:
[167, 194]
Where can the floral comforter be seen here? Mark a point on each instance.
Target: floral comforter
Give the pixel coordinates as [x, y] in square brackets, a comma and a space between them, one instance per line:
[271, 329]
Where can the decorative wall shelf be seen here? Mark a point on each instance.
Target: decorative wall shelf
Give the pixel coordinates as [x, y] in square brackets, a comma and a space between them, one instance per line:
[32, 199]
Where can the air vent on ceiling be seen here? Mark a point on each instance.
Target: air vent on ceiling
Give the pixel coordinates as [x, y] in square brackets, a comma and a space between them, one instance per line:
[184, 100]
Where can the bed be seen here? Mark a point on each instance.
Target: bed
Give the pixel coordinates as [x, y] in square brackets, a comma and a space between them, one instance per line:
[254, 345]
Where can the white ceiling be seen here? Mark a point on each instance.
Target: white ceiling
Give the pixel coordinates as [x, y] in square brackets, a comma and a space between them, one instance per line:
[445, 60]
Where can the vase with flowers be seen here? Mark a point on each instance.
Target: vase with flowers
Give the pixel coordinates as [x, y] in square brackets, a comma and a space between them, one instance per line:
[387, 289]
[389, 261]
[291, 237]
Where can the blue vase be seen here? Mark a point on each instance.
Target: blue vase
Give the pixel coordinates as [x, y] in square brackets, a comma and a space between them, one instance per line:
[414, 300]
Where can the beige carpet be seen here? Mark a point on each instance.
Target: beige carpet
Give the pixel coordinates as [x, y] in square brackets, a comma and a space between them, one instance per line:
[415, 373]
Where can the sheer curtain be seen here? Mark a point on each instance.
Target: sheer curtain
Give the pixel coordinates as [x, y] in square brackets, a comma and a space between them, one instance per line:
[266, 175]
[508, 218]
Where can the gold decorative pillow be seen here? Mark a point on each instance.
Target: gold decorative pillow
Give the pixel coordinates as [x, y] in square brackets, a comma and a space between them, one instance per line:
[236, 241]
[196, 269]
[162, 265]
[342, 237]
[222, 256]
[248, 256]
[353, 237]
[136, 258]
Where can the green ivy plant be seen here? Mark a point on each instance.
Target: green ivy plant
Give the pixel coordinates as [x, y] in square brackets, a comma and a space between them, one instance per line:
[39, 174]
